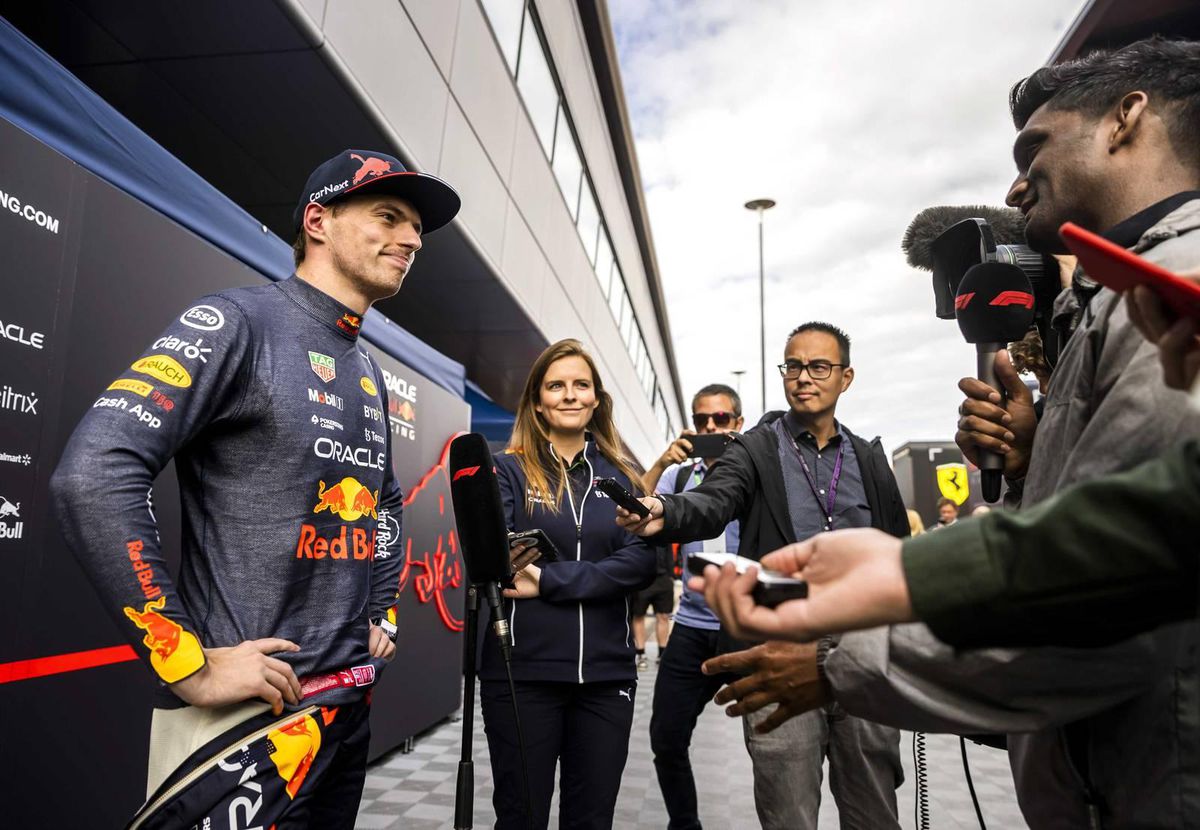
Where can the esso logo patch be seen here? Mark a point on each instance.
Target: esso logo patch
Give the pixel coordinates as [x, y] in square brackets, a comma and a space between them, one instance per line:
[203, 317]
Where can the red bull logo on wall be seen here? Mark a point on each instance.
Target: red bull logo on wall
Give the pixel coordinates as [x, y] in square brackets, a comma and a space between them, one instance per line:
[174, 653]
[348, 499]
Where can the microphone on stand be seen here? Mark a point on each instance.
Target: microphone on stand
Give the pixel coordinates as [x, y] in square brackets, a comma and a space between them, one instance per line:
[994, 307]
[483, 535]
[482, 531]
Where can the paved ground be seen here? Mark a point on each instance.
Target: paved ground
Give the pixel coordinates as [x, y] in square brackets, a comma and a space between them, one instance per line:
[414, 791]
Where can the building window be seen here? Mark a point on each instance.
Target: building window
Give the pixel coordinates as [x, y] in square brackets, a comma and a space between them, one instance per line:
[589, 221]
[567, 167]
[604, 263]
[506, 17]
[616, 293]
[537, 86]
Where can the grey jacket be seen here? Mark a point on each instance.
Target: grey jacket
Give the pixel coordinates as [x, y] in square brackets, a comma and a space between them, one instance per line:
[1107, 737]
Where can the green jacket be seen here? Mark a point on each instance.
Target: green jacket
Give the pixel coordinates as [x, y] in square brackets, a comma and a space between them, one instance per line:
[1100, 562]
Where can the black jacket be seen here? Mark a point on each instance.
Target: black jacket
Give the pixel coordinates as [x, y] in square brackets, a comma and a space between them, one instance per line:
[747, 484]
[577, 630]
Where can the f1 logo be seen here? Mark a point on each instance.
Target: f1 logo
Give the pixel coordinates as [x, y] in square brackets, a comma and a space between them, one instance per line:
[1013, 298]
[465, 472]
[961, 301]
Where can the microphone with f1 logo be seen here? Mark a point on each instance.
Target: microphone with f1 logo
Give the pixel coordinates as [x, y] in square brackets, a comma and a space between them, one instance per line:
[994, 307]
[482, 531]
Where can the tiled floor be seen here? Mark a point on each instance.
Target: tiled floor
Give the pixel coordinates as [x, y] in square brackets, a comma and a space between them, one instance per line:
[415, 791]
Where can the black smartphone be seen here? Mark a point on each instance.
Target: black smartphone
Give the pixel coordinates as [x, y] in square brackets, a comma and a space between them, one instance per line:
[549, 553]
[613, 489]
[709, 445]
[772, 588]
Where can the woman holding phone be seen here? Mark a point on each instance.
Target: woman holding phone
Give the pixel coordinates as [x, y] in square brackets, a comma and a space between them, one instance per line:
[572, 657]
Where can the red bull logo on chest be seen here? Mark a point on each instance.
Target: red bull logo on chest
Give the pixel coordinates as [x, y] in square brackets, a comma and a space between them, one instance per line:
[349, 499]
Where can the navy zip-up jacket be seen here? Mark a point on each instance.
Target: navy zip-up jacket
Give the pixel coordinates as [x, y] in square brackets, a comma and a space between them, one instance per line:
[577, 630]
[276, 419]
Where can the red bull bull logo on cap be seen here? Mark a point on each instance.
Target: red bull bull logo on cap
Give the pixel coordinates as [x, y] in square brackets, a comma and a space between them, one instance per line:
[174, 653]
[348, 499]
[370, 167]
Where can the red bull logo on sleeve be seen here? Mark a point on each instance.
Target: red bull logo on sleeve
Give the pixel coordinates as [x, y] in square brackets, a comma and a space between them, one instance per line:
[142, 570]
[174, 653]
[349, 499]
[294, 747]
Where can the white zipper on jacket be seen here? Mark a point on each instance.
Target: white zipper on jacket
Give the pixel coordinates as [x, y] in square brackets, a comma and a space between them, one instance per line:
[578, 517]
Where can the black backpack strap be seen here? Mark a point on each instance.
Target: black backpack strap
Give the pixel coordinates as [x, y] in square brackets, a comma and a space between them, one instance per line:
[681, 477]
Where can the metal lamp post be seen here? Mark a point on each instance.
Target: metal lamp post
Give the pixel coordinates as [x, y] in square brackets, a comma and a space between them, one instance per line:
[761, 205]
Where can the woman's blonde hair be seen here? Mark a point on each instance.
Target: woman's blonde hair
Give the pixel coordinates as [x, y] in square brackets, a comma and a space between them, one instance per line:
[915, 526]
[530, 440]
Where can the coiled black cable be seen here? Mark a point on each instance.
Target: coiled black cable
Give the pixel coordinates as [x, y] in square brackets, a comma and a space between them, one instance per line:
[921, 797]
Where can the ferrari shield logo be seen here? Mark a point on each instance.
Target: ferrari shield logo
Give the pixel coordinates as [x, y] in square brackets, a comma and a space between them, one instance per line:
[952, 482]
[323, 365]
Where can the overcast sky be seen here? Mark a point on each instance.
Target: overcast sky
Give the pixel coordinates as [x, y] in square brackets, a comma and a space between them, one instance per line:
[853, 117]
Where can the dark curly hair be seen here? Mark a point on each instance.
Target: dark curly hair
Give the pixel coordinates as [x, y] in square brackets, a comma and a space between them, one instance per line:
[1167, 70]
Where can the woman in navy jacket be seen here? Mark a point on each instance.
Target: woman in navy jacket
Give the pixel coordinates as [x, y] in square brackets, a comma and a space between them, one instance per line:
[573, 657]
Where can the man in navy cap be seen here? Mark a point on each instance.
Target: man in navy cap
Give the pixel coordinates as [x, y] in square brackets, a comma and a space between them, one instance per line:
[284, 611]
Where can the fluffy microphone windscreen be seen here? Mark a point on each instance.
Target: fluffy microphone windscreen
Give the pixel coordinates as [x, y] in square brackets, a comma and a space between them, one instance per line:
[1008, 228]
[478, 511]
[994, 303]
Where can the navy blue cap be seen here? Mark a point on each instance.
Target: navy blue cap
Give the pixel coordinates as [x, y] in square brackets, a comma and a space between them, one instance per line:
[362, 171]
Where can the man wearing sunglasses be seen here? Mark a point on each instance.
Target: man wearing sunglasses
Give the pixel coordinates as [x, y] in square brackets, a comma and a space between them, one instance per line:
[681, 689]
[798, 473]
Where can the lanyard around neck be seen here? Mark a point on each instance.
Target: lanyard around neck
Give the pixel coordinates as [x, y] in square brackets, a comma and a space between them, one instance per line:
[831, 493]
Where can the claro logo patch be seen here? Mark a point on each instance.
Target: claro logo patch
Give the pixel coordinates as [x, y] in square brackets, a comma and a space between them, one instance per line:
[164, 368]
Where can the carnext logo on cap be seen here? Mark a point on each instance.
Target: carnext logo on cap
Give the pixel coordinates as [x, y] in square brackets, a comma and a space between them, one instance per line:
[327, 190]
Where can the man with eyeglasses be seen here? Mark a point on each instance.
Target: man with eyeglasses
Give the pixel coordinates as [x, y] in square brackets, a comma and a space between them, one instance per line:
[682, 689]
[798, 473]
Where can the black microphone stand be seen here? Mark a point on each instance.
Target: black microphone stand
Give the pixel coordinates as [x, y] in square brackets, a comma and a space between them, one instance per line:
[464, 791]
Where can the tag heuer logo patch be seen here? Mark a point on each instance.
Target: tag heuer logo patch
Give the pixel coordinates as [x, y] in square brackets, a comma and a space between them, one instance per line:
[322, 366]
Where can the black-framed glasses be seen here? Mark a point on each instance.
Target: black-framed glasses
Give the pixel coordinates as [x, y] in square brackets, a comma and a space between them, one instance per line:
[817, 369]
[720, 419]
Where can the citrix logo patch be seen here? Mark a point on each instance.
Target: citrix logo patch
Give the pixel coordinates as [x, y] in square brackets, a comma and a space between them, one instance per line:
[25, 404]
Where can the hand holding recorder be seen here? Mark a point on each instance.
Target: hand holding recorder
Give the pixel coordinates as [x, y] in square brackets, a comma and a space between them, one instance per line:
[854, 579]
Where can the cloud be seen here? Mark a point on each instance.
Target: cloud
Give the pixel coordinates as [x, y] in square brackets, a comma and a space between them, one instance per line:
[854, 117]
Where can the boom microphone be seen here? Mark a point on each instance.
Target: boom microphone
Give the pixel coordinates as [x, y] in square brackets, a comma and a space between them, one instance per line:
[994, 307]
[1007, 224]
[479, 517]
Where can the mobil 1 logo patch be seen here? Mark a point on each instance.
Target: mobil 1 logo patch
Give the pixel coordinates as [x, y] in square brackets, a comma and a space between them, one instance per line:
[203, 317]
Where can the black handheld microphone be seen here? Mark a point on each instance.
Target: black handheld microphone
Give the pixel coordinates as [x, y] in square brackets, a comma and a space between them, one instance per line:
[994, 307]
[482, 531]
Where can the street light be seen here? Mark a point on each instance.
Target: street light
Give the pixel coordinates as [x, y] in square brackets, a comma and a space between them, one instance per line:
[761, 205]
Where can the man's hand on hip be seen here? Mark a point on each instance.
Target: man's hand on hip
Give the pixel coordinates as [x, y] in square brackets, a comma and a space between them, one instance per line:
[987, 422]
[243, 672]
[380, 644]
[782, 673]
